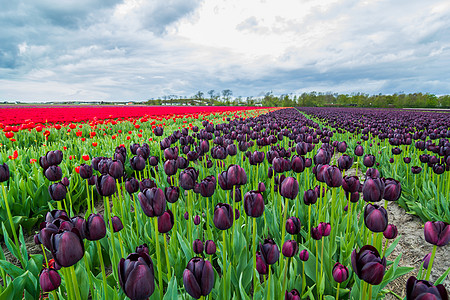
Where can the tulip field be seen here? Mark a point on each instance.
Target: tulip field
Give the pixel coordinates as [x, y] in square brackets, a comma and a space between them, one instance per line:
[219, 203]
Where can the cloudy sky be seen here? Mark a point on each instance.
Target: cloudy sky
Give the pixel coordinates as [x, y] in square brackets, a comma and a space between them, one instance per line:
[141, 49]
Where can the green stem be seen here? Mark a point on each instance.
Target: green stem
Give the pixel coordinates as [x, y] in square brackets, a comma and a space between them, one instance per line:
[254, 254]
[158, 257]
[102, 266]
[88, 198]
[135, 214]
[88, 269]
[224, 261]
[303, 277]
[113, 242]
[433, 254]
[370, 291]
[268, 282]
[337, 291]
[283, 228]
[11, 223]
[75, 283]
[169, 271]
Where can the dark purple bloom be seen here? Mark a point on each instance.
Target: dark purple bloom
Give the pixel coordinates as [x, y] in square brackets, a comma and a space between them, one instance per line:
[95, 228]
[166, 221]
[53, 173]
[333, 176]
[198, 277]
[4, 172]
[210, 247]
[208, 186]
[137, 163]
[67, 247]
[132, 185]
[49, 279]
[188, 178]
[392, 190]
[310, 197]
[269, 251]
[116, 223]
[369, 160]
[368, 265]
[254, 204]
[290, 248]
[223, 216]
[375, 218]
[106, 185]
[153, 202]
[373, 189]
[293, 225]
[234, 175]
[304, 255]
[437, 233]
[172, 193]
[340, 272]
[345, 162]
[424, 290]
[136, 275]
[57, 191]
[197, 246]
[350, 184]
[292, 295]
[390, 232]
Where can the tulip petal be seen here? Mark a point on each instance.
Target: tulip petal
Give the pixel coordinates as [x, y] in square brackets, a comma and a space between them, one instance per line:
[191, 284]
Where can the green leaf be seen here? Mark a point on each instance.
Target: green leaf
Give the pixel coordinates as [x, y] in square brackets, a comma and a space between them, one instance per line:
[441, 279]
[244, 295]
[9, 243]
[23, 248]
[14, 289]
[11, 269]
[171, 293]
[392, 246]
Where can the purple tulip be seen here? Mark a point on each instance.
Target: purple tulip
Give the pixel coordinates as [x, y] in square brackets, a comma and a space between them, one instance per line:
[67, 247]
[95, 228]
[293, 225]
[153, 202]
[223, 216]
[340, 273]
[290, 248]
[424, 290]
[310, 197]
[166, 221]
[392, 190]
[390, 232]
[292, 295]
[375, 218]
[368, 265]
[170, 167]
[116, 223]
[188, 178]
[136, 275]
[304, 255]
[437, 233]
[333, 176]
[345, 162]
[269, 251]
[198, 277]
[106, 185]
[373, 189]
[289, 188]
[57, 191]
[49, 279]
[208, 186]
[254, 204]
[53, 173]
[210, 247]
[369, 160]
[132, 185]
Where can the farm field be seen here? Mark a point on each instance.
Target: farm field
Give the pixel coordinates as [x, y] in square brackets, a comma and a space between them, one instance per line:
[224, 203]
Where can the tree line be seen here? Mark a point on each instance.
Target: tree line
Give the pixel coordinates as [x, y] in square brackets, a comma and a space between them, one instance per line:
[397, 100]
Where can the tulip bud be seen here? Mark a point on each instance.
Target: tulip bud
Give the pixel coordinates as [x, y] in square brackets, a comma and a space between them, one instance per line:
[137, 163]
[369, 160]
[437, 233]
[289, 188]
[67, 247]
[95, 227]
[373, 189]
[426, 260]
[57, 191]
[254, 204]
[290, 248]
[390, 232]
[269, 251]
[208, 186]
[292, 295]
[197, 220]
[116, 223]
[198, 277]
[116, 169]
[304, 255]
[197, 246]
[223, 216]
[333, 176]
[210, 247]
[325, 228]
[375, 218]
[416, 169]
[106, 185]
[422, 289]
[153, 202]
[293, 225]
[340, 273]
[345, 162]
[188, 178]
[368, 265]
[49, 279]
[310, 197]
[85, 171]
[136, 275]
[316, 233]
[359, 150]
[4, 172]
[172, 193]
[53, 173]
[393, 189]
[166, 221]
[132, 185]
[350, 184]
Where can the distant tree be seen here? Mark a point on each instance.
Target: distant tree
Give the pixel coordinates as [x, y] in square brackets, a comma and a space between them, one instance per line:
[211, 94]
[227, 94]
[199, 95]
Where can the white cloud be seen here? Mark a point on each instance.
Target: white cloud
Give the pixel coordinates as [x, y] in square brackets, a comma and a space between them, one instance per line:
[136, 49]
